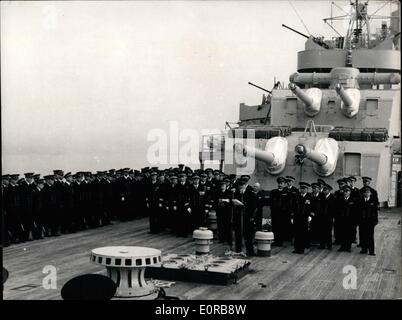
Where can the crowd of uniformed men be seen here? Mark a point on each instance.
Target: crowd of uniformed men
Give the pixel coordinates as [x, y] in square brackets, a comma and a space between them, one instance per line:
[181, 200]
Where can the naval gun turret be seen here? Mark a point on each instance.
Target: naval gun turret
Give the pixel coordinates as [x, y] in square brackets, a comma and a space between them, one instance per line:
[311, 99]
[339, 115]
[324, 156]
[274, 155]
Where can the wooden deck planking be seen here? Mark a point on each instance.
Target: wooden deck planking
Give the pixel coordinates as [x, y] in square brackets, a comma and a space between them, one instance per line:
[314, 275]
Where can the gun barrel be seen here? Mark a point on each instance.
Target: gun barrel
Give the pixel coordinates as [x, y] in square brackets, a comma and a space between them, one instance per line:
[308, 101]
[351, 100]
[274, 155]
[265, 156]
[298, 32]
[311, 99]
[254, 85]
[324, 156]
[317, 157]
[347, 100]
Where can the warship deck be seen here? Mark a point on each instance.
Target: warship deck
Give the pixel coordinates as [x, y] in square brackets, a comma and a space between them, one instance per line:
[318, 274]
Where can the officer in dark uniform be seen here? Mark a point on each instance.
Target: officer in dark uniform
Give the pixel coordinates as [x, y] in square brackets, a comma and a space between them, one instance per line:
[13, 206]
[301, 214]
[368, 219]
[223, 207]
[59, 213]
[71, 218]
[51, 207]
[325, 216]
[355, 194]
[36, 178]
[172, 202]
[184, 217]
[124, 187]
[162, 194]
[366, 183]
[338, 195]
[262, 201]
[197, 194]
[315, 208]
[5, 231]
[280, 212]
[321, 184]
[346, 216]
[152, 203]
[38, 209]
[79, 187]
[26, 189]
[247, 199]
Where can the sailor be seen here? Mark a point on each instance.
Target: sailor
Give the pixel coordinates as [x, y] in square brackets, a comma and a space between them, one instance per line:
[26, 189]
[280, 212]
[51, 207]
[70, 218]
[172, 202]
[262, 201]
[366, 183]
[321, 184]
[197, 194]
[152, 202]
[301, 216]
[325, 216]
[368, 219]
[162, 214]
[13, 206]
[346, 218]
[223, 207]
[247, 210]
[338, 195]
[233, 182]
[184, 217]
[5, 181]
[124, 196]
[58, 186]
[38, 209]
[315, 208]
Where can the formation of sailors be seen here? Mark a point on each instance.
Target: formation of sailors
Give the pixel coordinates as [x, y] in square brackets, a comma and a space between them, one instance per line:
[181, 200]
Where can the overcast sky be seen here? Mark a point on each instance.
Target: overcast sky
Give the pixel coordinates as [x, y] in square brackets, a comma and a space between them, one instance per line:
[84, 82]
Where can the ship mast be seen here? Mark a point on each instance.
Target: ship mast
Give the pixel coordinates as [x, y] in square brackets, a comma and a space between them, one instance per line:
[358, 32]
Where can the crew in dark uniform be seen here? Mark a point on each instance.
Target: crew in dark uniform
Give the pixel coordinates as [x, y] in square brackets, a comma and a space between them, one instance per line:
[280, 212]
[59, 212]
[261, 202]
[315, 208]
[172, 202]
[197, 194]
[366, 183]
[346, 216]
[325, 217]
[338, 195]
[124, 200]
[184, 217]
[51, 207]
[245, 194]
[301, 215]
[38, 209]
[223, 207]
[13, 205]
[5, 231]
[71, 218]
[152, 200]
[26, 189]
[368, 219]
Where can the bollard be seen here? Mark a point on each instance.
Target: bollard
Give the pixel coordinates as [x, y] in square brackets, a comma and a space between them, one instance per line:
[203, 238]
[264, 240]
